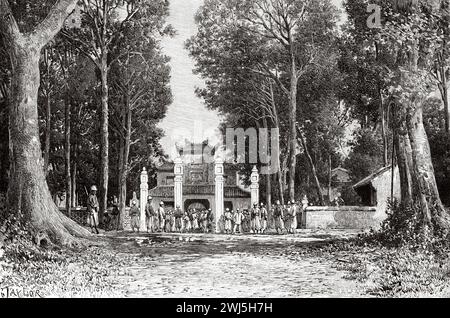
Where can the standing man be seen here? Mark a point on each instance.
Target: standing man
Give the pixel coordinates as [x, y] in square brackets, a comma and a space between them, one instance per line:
[115, 215]
[232, 219]
[256, 219]
[279, 215]
[238, 217]
[134, 214]
[210, 218]
[293, 215]
[150, 215]
[93, 207]
[246, 222]
[161, 216]
[288, 217]
[178, 219]
[172, 222]
[195, 217]
[264, 218]
[227, 217]
[203, 217]
[168, 220]
[186, 222]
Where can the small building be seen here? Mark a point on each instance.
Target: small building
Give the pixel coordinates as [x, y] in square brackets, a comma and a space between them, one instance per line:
[340, 175]
[340, 179]
[376, 190]
[199, 182]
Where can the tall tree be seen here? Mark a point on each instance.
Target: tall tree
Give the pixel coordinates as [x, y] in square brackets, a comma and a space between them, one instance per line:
[411, 37]
[28, 192]
[271, 39]
[101, 28]
[282, 24]
[140, 95]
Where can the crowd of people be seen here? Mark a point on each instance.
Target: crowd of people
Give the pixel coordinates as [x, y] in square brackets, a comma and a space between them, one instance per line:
[175, 220]
[256, 220]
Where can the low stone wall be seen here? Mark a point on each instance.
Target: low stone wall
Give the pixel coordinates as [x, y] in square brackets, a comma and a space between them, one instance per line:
[351, 217]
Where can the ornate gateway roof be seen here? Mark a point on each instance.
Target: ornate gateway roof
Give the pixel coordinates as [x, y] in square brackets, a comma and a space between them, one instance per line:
[168, 191]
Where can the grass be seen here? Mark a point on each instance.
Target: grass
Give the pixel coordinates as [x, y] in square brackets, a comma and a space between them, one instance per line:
[59, 273]
[92, 272]
[390, 272]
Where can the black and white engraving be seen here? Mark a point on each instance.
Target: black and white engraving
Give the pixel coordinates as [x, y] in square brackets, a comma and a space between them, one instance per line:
[228, 149]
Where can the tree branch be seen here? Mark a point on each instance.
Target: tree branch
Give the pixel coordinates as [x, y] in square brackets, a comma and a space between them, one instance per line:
[54, 21]
[8, 24]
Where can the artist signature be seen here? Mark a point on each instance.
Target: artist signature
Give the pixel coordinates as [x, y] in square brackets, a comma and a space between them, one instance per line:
[19, 292]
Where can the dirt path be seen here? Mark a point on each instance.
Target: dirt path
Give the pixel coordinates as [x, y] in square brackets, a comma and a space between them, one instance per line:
[227, 266]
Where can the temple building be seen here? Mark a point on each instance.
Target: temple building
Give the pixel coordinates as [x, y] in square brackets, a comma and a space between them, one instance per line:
[376, 189]
[198, 181]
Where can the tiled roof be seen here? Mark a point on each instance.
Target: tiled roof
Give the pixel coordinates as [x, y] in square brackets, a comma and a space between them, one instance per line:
[369, 179]
[166, 166]
[168, 191]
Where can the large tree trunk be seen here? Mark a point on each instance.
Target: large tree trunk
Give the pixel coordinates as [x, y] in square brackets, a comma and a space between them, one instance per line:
[124, 158]
[279, 175]
[442, 65]
[446, 108]
[404, 162]
[74, 175]
[313, 169]
[48, 117]
[426, 195]
[383, 128]
[104, 142]
[269, 190]
[293, 129]
[443, 88]
[67, 158]
[122, 185]
[283, 178]
[424, 188]
[330, 177]
[47, 133]
[28, 192]
[74, 180]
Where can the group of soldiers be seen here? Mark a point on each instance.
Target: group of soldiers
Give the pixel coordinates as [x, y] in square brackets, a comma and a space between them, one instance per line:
[286, 217]
[255, 220]
[162, 220]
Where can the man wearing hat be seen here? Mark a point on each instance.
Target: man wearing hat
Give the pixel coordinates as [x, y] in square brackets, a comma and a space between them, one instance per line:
[195, 225]
[256, 219]
[134, 214]
[168, 221]
[238, 217]
[264, 218]
[204, 221]
[161, 216]
[150, 215]
[294, 212]
[288, 217]
[93, 207]
[246, 221]
[178, 219]
[278, 214]
[210, 220]
[227, 218]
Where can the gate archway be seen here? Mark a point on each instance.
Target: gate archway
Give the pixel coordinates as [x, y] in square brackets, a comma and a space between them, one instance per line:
[197, 204]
